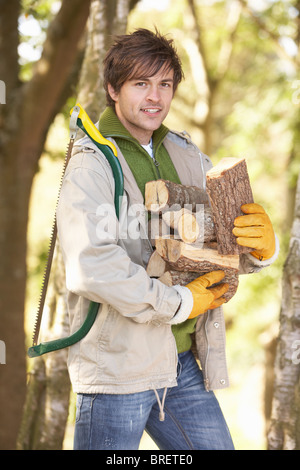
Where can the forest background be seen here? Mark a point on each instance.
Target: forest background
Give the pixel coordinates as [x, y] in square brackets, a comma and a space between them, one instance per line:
[240, 97]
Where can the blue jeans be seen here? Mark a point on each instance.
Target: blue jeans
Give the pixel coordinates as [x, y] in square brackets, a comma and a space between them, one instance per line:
[193, 418]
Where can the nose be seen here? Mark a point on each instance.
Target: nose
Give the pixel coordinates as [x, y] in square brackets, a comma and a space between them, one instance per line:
[153, 95]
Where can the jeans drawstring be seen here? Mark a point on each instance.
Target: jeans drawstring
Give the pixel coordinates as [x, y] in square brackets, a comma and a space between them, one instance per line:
[161, 404]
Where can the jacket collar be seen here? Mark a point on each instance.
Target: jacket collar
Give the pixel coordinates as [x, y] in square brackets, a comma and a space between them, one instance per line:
[110, 126]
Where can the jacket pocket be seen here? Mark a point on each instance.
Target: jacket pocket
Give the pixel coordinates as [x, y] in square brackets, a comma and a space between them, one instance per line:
[129, 352]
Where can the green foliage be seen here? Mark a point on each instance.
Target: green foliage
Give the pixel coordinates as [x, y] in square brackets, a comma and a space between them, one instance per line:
[34, 20]
[41, 10]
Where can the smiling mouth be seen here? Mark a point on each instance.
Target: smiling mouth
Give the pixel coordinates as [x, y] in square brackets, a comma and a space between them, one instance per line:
[151, 110]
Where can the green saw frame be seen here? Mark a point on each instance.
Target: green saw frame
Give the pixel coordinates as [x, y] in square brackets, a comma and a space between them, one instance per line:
[108, 149]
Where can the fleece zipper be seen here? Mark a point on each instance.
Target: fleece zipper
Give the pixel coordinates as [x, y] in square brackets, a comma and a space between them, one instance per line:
[153, 159]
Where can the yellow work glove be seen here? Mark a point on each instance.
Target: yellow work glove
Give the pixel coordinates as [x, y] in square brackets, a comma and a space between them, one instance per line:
[255, 230]
[207, 297]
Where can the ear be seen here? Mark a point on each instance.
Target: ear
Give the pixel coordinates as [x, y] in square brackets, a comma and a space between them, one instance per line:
[112, 93]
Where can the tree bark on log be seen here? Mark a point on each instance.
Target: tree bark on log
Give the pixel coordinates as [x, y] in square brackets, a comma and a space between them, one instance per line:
[163, 195]
[228, 188]
[191, 258]
[186, 210]
[172, 278]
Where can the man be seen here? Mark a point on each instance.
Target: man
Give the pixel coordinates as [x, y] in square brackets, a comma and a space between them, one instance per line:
[135, 369]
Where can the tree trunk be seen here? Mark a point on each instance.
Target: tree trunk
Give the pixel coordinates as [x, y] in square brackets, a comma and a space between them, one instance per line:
[24, 121]
[284, 433]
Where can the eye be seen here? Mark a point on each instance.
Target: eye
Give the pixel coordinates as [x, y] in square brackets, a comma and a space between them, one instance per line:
[166, 85]
[140, 84]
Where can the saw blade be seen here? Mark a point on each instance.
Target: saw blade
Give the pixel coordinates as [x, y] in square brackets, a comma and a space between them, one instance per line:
[36, 329]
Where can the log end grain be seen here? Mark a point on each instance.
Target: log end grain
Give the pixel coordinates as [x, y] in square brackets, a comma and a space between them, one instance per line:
[156, 266]
[188, 227]
[156, 196]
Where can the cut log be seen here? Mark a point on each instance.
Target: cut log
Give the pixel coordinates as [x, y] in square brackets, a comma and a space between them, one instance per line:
[163, 195]
[192, 227]
[189, 228]
[156, 266]
[171, 217]
[157, 227]
[173, 278]
[193, 258]
[228, 188]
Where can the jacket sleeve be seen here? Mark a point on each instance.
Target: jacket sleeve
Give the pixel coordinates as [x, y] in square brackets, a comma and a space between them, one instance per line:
[249, 264]
[97, 268]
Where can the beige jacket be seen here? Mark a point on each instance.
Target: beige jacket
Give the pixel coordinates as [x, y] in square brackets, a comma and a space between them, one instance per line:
[130, 347]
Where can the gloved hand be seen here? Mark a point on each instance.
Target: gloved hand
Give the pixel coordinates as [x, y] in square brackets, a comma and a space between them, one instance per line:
[255, 230]
[204, 298]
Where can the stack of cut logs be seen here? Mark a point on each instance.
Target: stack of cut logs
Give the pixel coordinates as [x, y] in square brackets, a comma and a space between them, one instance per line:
[191, 229]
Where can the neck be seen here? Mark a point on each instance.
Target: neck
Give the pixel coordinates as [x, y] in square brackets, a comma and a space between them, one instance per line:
[142, 136]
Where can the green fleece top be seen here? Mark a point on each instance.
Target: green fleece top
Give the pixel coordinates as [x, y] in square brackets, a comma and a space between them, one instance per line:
[144, 169]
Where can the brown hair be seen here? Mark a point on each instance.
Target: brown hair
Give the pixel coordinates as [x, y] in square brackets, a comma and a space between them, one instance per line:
[139, 54]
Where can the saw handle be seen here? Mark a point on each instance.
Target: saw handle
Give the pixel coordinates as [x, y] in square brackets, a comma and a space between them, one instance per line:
[91, 130]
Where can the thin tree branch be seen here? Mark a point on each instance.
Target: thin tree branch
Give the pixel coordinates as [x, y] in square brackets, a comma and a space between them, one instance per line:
[226, 49]
[271, 34]
[198, 41]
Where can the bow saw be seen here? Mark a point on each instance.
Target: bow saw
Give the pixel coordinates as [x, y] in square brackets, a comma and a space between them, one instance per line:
[78, 119]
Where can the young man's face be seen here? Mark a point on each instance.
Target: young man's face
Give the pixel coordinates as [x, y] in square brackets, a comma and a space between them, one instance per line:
[143, 103]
